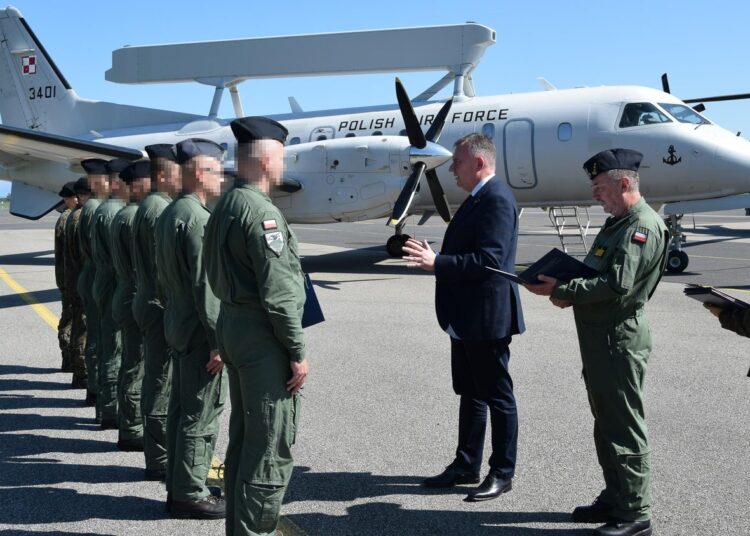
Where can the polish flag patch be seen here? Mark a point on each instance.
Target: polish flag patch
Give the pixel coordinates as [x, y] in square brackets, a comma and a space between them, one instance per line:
[28, 65]
[640, 237]
[269, 224]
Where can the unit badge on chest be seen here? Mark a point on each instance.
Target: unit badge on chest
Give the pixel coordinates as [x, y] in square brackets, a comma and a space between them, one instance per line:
[275, 242]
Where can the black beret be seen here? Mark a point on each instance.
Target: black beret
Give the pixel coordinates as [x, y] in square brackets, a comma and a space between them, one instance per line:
[67, 190]
[81, 186]
[95, 166]
[612, 159]
[116, 165]
[136, 171]
[249, 129]
[161, 150]
[193, 147]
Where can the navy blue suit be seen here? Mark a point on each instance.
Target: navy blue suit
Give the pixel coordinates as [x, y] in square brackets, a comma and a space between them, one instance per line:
[482, 311]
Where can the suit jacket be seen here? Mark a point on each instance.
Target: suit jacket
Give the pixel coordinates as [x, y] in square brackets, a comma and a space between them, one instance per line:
[477, 304]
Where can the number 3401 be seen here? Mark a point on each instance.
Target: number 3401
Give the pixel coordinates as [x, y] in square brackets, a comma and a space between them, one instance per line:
[42, 92]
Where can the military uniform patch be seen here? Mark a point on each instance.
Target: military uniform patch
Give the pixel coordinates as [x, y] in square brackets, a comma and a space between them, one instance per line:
[269, 224]
[640, 237]
[275, 241]
[599, 252]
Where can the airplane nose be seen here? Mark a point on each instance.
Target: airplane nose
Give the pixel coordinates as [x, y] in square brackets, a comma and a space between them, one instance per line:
[733, 157]
[432, 155]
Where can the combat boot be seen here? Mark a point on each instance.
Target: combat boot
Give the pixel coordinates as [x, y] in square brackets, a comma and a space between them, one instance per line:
[626, 528]
[597, 512]
[207, 508]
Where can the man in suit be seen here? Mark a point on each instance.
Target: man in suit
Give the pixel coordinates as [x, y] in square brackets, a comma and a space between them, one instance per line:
[480, 311]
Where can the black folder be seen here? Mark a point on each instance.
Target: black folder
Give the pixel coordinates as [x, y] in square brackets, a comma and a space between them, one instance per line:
[555, 264]
[312, 313]
[714, 296]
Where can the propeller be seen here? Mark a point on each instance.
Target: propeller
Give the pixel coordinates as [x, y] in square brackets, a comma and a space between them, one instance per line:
[700, 106]
[424, 152]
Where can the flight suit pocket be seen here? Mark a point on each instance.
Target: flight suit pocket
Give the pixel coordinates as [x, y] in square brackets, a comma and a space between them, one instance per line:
[294, 419]
[200, 449]
[263, 505]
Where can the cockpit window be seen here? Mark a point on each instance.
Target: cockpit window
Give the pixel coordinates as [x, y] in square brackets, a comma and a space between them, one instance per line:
[684, 114]
[642, 113]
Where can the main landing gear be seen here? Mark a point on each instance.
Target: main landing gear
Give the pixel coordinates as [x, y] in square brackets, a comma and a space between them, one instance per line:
[677, 260]
[397, 241]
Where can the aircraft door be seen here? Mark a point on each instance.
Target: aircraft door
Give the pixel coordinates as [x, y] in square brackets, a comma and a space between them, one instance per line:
[518, 148]
[322, 133]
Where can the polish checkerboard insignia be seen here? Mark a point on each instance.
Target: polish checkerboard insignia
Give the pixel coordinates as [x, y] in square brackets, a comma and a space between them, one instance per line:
[28, 65]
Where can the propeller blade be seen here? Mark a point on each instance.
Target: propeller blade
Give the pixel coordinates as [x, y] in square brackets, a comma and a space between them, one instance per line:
[433, 133]
[413, 130]
[665, 83]
[738, 96]
[438, 195]
[699, 107]
[401, 208]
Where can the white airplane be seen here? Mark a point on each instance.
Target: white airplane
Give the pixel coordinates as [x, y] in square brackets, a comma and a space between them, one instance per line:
[365, 163]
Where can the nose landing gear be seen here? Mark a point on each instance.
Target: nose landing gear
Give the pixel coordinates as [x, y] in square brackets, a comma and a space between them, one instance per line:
[677, 260]
[397, 241]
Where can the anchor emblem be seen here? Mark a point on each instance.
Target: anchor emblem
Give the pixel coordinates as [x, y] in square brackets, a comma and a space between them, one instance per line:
[672, 159]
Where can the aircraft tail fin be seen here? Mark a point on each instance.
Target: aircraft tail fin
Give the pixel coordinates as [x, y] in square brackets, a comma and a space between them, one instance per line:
[35, 95]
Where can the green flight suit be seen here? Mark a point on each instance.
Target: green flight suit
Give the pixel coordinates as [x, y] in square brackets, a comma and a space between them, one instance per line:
[110, 344]
[615, 339]
[86, 292]
[130, 420]
[252, 263]
[73, 266]
[66, 316]
[149, 314]
[197, 398]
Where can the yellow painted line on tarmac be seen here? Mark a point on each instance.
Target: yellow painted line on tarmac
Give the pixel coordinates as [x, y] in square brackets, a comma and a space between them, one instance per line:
[47, 315]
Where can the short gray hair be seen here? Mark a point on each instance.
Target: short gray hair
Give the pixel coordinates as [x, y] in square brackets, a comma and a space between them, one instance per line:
[632, 176]
[479, 145]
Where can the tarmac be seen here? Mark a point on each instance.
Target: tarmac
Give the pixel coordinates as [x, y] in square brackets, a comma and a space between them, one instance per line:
[378, 410]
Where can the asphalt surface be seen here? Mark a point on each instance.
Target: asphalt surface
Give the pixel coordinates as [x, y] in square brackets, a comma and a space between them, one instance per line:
[378, 410]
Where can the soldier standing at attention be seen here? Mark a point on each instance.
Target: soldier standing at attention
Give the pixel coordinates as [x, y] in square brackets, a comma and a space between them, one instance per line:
[198, 384]
[130, 420]
[63, 327]
[98, 180]
[73, 267]
[253, 266]
[629, 253]
[110, 344]
[148, 309]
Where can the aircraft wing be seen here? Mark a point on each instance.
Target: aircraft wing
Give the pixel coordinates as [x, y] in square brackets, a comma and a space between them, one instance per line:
[20, 145]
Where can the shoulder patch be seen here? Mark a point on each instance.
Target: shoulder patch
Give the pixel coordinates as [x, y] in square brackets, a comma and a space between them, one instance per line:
[640, 235]
[275, 241]
[269, 225]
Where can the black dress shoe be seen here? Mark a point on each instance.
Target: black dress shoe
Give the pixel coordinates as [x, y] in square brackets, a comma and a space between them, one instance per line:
[207, 508]
[130, 445]
[155, 474]
[625, 528]
[491, 487]
[597, 512]
[450, 477]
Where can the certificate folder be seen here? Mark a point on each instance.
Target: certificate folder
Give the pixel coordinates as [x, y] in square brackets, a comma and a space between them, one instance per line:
[555, 264]
[715, 297]
[312, 313]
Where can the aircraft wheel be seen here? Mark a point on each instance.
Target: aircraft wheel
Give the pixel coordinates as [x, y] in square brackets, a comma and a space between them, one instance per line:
[395, 243]
[677, 261]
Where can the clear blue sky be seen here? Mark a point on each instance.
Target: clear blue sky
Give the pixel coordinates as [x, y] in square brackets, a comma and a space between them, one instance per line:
[702, 45]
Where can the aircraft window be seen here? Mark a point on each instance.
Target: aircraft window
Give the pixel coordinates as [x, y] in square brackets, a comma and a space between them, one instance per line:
[350, 135]
[294, 141]
[322, 137]
[488, 129]
[642, 113]
[684, 114]
[564, 131]
[377, 133]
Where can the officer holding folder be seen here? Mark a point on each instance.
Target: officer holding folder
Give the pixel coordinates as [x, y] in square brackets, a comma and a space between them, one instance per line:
[629, 255]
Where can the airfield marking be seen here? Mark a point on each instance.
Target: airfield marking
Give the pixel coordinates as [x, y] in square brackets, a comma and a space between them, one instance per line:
[48, 316]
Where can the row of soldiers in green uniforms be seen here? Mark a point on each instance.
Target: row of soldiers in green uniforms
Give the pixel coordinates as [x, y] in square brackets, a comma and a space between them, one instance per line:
[140, 312]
